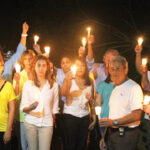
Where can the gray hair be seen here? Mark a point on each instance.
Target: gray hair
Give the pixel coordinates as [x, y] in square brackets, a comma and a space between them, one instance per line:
[120, 59]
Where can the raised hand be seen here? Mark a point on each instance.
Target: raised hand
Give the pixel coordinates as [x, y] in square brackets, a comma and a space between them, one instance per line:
[138, 49]
[25, 28]
[90, 39]
[17, 77]
[81, 51]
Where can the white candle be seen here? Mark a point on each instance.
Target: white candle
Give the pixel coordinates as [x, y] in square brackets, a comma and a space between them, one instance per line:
[89, 31]
[98, 111]
[144, 62]
[146, 99]
[140, 41]
[74, 69]
[84, 42]
[47, 49]
[36, 38]
[17, 67]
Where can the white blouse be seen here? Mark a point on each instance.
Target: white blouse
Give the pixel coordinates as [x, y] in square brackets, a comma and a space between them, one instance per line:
[78, 107]
[47, 100]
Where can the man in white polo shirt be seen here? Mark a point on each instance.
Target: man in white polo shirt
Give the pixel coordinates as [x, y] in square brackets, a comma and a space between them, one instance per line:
[125, 108]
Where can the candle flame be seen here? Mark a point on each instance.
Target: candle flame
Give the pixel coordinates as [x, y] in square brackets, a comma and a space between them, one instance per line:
[17, 67]
[74, 69]
[98, 110]
[89, 31]
[47, 49]
[36, 38]
[140, 41]
[84, 42]
[144, 62]
[146, 99]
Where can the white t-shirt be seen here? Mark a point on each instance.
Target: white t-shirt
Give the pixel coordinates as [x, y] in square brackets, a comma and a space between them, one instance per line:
[124, 99]
[77, 108]
[148, 75]
[146, 115]
[47, 99]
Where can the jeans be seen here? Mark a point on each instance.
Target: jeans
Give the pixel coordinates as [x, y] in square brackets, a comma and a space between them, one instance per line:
[21, 138]
[38, 138]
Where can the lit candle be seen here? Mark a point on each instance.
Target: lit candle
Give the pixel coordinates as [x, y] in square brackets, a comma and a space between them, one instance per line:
[89, 31]
[73, 70]
[84, 42]
[17, 67]
[140, 41]
[98, 111]
[144, 62]
[146, 99]
[47, 49]
[36, 38]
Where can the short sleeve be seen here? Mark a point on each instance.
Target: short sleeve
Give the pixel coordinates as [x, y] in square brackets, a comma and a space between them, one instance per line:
[100, 88]
[12, 95]
[136, 98]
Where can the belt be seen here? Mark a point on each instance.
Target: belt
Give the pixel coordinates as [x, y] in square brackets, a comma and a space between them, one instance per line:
[124, 128]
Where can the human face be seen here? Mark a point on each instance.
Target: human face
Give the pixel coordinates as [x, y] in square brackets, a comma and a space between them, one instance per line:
[107, 58]
[117, 72]
[65, 64]
[28, 61]
[80, 68]
[1, 67]
[41, 68]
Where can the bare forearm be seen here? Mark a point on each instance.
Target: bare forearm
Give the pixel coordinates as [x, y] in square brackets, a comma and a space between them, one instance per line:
[144, 80]
[11, 114]
[17, 89]
[90, 52]
[130, 118]
[27, 109]
[138, 62]
[66, 87]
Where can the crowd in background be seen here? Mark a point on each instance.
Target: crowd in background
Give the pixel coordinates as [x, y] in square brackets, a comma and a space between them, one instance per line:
[41, 97]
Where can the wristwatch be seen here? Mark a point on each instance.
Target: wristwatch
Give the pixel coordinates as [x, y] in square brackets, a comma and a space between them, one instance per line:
[115, 122]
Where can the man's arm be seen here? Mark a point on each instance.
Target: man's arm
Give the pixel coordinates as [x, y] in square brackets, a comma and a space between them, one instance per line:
[138, 60]
[130, 118]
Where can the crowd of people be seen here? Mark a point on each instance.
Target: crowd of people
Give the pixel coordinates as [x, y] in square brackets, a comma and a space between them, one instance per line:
[40, 97]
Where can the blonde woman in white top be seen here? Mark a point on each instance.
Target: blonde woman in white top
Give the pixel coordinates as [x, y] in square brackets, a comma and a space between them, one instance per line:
[76, 111]
[40, 103]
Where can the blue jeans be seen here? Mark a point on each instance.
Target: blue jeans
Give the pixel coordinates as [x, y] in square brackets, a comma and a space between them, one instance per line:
[20, 133]
[24, 144]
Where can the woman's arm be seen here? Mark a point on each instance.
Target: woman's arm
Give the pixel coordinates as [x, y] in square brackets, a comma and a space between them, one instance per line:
[11, 112]
[65, 89]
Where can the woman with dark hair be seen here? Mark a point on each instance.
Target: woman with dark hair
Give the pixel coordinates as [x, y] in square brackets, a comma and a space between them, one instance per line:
[76, 111]
[7, 109]
[40, 103]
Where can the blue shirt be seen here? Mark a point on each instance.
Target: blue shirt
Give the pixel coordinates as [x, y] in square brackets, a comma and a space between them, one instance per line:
[105, 89]
[9, 64]
[60, 76]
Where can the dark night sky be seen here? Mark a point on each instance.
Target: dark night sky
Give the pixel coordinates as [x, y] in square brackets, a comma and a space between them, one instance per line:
[62, 23]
